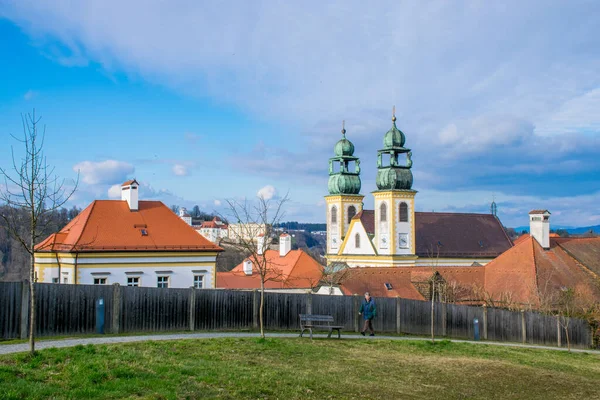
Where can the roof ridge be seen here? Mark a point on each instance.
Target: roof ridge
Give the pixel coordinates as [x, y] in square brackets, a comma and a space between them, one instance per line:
[535, 268]
[87, 218]
[453, 213]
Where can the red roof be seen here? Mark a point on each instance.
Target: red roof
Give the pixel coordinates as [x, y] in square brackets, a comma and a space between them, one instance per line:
[130, 182]
[109, 225]
[527, 273]
[538, 212]
[406, 282]
[297, 270]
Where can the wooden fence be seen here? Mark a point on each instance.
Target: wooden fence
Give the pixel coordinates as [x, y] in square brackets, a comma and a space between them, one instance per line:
[71, 309]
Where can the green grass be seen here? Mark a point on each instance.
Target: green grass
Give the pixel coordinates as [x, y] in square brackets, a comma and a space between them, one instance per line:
[298, 369]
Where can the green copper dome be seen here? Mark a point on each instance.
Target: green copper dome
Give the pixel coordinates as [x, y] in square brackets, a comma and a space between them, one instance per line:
[394, 137]
[343, 147]
[392, 172]
[394, 178]
[344, 184]
[343, 180]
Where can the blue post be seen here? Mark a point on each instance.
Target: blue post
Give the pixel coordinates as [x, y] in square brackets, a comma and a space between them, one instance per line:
[476, 328]
[100, 316]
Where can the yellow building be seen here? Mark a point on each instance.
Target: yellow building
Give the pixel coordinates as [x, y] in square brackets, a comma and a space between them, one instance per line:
[130, 242]
[394, 234]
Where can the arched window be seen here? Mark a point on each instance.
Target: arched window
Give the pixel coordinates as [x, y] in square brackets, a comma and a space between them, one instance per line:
[334, 215]
[403, 214]
[357, 241]
[351, 213]
[383, 212]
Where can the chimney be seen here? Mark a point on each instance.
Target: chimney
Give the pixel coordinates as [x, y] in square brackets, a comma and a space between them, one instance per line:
[539, 227]
[247, 267]
[260, 244]
[129, 192]
[285, 244]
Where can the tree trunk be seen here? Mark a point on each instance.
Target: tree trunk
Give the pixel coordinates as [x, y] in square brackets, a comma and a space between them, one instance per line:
[32, 302]
[262, 306]
[433, 312]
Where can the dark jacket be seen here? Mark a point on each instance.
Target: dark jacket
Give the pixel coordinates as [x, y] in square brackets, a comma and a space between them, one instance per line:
[368, 309]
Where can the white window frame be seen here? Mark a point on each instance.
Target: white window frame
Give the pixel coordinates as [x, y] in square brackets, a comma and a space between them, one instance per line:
[165, 278]
[138, 282]
[201, 276]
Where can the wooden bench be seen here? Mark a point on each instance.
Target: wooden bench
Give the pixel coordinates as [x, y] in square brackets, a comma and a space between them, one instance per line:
[309, 322]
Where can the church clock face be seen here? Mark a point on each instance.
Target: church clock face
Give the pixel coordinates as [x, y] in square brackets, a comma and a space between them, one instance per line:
[403, 241]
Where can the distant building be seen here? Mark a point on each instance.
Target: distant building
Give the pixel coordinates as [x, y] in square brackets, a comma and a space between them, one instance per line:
[394, 234]
[287, 271]
[129, 242]
[246, 231]
[214, 230]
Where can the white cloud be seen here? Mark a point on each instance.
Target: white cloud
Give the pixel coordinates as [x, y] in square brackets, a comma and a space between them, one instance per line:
[30, 95]
[217, 203]
[114, 192]
[267, 192]
[180, 170]
[103, 172]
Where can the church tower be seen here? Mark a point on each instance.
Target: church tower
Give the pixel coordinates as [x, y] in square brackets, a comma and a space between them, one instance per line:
[394, 199]
[344, 200]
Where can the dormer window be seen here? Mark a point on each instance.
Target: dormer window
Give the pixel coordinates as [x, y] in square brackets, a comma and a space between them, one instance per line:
[388, 286]
[144, 232]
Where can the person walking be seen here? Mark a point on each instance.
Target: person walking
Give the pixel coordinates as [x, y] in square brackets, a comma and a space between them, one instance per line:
[368, 310]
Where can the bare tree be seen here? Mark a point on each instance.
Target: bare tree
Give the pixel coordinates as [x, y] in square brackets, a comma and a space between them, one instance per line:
[31, 185]
[253, 232]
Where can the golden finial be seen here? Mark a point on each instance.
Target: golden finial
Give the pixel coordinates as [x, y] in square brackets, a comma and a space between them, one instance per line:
[343, 127]
[394, 114]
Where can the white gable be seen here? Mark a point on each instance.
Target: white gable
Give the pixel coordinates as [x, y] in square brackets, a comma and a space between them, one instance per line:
[365, 246]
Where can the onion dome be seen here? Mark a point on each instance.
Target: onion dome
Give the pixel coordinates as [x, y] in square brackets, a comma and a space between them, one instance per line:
[343, 147]
[394, 137]
[344, 168]
[396, 173]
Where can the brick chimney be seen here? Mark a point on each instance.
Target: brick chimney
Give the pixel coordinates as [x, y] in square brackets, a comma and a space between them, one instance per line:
[129, 192]
[539, 227]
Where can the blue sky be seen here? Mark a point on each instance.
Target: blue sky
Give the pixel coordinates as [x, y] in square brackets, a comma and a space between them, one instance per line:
[208, 101]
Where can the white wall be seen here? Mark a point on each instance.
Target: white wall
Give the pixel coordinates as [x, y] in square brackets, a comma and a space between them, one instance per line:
[365, 243]
[403, 227]
[382, 229]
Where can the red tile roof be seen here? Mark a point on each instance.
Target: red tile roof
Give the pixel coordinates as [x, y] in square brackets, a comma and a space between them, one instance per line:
[109, 225]
[538, 212]
[527, 273]
[367, 218]
[130, 182]
[297, 270]
[404, 281]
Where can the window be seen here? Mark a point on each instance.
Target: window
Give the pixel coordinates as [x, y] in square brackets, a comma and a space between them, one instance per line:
[198, 281]
[388, 286]
[55, 280]
[334, 215]
[144, 232]
[383, 212]
[65, 280]
[403, 214]
[351, 213]
[98, 281]
[162, 282]
[133, 281]
[357, 241]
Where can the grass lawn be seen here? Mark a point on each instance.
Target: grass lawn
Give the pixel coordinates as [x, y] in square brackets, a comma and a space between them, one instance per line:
[298, 369]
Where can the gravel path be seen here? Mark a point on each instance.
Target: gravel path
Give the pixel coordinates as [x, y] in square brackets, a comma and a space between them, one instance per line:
[46, 344]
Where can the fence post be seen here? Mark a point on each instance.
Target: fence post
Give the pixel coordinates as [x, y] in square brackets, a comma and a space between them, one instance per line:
[559, 340]
[24, 331]
[309, 301]
[485, 322]
[192, 310]
[116, 309]
[255, 308]
[444, 318]
[523, 326]
[398, 320]
[355, 309]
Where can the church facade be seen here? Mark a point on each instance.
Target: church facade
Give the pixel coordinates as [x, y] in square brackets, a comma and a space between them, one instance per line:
[394, 234]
